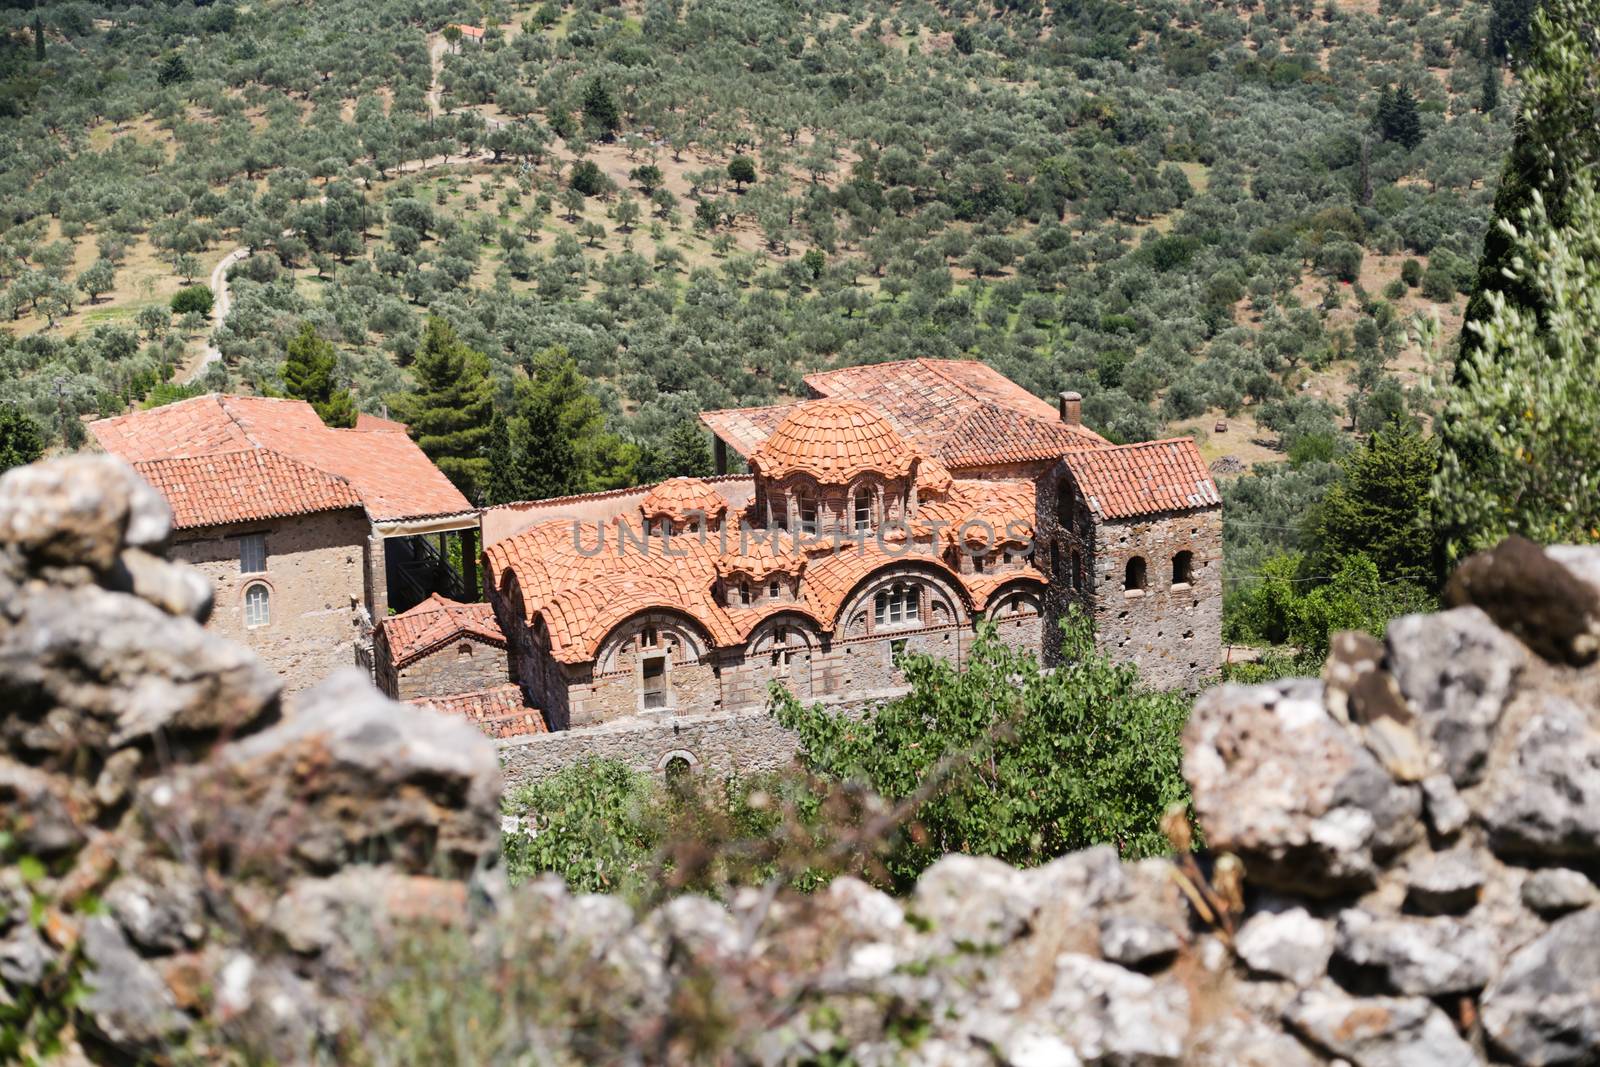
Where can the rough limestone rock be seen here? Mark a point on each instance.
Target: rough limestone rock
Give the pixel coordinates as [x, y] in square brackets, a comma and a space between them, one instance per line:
[1380, 1031]
[1288, 944]
[225, 876]
[1544, 1008]
[1296, 795]
[1545, 799]
[1424, 956]
[1559, 890]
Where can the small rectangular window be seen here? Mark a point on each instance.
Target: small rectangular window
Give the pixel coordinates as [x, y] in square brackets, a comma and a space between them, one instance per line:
[863, 511]
[808, 515]
[655, 681]
[253, 554]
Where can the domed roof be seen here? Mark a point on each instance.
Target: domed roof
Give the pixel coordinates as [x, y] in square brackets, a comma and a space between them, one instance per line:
[680, 499]
[833, 441]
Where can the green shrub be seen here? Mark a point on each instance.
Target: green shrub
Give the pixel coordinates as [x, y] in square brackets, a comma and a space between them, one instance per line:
[194, 298]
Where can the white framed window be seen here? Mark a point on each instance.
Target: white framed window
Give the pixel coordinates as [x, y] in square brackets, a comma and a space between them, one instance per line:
[806, 504]
[253, 554]
[899, 605]
[863, 510]
[257, 606]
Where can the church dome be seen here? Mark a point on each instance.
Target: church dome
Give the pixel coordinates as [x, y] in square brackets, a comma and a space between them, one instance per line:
[680, 499]
[833, 441]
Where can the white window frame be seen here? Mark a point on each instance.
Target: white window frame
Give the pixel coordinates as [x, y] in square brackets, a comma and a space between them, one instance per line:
[253, 553]
[257, 613]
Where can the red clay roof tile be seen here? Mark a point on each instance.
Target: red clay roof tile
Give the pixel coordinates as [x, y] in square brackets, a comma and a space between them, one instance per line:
[390, 474]
[434, 622]
[1144, 479]
[833, 441]
[682, 499]
[498, 712]
[243, 485]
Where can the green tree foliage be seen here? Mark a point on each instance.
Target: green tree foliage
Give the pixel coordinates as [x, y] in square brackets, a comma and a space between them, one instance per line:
[594, 823]
[684, 453]
[1038, 764]
[21, 440]
[309, 374]
[1397, 118]
[38, 39]
[1381, 507]
[1523, 452]
[449, 412]
[173, 70]
[742, 171]
[99, 277]
[195, 298]
[556, 442]
[587, 178]
[1557, 138]
[1284, 605]
[600, 110]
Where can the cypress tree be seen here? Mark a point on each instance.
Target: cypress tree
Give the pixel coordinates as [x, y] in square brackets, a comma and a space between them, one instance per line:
[308, 374]
[38, 38]
[1490, 98]
[449, 413]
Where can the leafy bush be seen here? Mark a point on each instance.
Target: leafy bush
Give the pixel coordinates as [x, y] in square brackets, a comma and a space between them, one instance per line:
[195, 298]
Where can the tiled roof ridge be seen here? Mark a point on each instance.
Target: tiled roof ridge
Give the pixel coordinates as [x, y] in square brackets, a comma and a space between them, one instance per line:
[345, 494]
[603, 494]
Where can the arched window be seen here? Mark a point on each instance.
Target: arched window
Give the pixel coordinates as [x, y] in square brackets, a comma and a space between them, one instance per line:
[1064, 502]
[898, 605]
[862, 504]
[1183, 568]
[257, 606]
[1133, 577]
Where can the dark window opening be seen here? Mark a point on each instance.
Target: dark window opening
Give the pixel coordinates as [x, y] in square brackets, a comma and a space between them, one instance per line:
[1183, 568]
[655, 681]
[1133, 578]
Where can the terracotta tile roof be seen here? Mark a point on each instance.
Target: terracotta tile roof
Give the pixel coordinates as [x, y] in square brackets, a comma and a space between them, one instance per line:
[434, 622]
[982, 512]
[391, 475]
[983, 587]
[744, 428]
[498, 712]
[760, 556]
[963, 412]
[1144, 479]
[932, 477]
[833, 441]
[371, 423]
[243, 485]
[680, 499]
[475, 32]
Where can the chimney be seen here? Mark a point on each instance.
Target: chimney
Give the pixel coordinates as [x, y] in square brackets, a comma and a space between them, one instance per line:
[1072, 409]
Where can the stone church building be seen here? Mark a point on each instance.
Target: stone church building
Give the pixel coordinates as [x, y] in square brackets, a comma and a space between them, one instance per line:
[892, 511]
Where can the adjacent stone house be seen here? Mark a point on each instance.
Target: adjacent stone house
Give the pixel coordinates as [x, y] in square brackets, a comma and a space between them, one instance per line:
[892, 512]
[308, 533]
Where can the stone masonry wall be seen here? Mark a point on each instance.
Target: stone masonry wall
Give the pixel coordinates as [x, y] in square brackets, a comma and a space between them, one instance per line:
[1402, 870]
[464, 665]
[1171, 631]
[316, 577]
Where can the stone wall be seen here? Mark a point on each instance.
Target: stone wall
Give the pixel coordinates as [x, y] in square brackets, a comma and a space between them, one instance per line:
[1172, 631]
[463, 665]
[1402, 870]
[718, 743]
[316, 578]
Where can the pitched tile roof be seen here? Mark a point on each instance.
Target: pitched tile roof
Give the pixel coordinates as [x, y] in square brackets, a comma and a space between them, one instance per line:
[390, 474]
[963, 412]
[243, 485]
[760, 556]
[833, 441]
[1144, 479]
[498, 712]
[436, 621]
[682, 499]
[982, 512]
[744, 428]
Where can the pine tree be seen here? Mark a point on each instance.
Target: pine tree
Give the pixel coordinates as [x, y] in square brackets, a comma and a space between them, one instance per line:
[683, 454]
[543, 458]
[1381, 507]
[555, 441]
[449, 413]
[1556, 138]
[501, 483]
[308, 374]
[1490, 98]
[600, 109]
[1397, 118]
